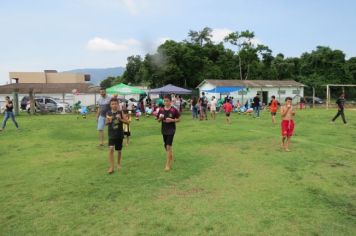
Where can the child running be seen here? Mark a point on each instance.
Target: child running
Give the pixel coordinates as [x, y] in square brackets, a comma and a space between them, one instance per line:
[287, 124]
[273, 107]
[114, 120]
[228, 109]
[168, 115]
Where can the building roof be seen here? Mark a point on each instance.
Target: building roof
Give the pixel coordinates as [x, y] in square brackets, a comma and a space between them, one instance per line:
[252, 83]
[49, 88]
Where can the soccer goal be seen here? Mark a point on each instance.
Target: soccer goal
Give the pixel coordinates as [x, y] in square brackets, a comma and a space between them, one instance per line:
[333, 91]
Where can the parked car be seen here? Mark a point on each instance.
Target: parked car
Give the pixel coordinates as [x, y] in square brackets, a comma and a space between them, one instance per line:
[61, 106]
[317, 100]
[41, 107]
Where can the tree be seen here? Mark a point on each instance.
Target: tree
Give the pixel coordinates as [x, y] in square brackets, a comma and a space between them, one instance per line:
[106, 83]
[133, 72]
[243, 42]
[198, 37]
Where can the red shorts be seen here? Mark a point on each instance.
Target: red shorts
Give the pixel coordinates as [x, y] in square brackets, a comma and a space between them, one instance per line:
[287, 127]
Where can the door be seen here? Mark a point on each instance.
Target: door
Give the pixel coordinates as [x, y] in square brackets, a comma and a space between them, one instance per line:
[264, 97]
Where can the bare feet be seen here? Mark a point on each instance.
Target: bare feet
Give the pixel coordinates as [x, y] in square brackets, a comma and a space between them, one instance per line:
[167, 168]
[118, 168]
[287, 150]
[110, 171]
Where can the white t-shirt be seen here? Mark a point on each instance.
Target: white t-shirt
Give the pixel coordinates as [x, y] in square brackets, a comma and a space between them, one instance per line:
[213, 105]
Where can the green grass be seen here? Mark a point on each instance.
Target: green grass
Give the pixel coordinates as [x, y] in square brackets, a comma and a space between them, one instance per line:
[227, 179]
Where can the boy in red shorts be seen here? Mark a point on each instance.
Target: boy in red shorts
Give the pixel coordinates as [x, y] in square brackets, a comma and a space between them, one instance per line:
[228, 109]
[287, 124]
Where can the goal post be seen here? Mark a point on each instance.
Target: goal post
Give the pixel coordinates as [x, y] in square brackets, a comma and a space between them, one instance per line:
[328, 91]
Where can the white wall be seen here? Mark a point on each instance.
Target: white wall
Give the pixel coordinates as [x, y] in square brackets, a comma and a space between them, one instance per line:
[253, 91]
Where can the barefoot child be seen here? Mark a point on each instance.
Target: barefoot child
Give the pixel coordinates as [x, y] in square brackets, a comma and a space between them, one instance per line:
[228, 109]
[168, 115]
[287, 124]
[114, 120]
[273, 107]
[127, 131]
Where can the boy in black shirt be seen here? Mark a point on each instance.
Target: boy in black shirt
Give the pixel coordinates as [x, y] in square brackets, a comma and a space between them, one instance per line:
[340, 104]
[168, 115]
[114, 120]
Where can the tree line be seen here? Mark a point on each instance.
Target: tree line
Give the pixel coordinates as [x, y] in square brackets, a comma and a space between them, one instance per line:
[188, 63]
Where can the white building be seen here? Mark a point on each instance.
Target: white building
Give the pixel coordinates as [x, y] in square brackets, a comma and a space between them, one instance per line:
[266, 88]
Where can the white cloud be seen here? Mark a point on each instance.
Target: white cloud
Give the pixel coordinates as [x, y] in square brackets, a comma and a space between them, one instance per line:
[220, 34]
[101, 45]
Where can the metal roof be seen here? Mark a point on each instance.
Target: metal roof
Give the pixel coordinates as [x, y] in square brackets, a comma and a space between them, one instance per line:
[253, 83]
[49, 88]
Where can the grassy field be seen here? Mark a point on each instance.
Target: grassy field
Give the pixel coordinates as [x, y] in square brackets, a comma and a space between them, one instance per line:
[227, 179]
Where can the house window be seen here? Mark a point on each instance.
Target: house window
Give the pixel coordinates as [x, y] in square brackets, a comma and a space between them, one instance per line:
[242, 92]
[282, 92]
[296, 92]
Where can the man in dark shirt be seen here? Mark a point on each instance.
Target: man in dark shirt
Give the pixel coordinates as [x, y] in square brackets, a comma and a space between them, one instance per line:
[8, 113]
[168, 115]
[114, 120]
[256, 106]
[340, 104]
[204, 105]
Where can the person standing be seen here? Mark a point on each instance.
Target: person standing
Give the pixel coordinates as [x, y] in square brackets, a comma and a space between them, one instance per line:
[204, 105]
[256, 106]
[340, 106]
[115, 120]
[168, 116]
[8, 113]
[273, 107]
[103, 108]
[194, 106]
[126, 127]
[213, 107]
[287, 124]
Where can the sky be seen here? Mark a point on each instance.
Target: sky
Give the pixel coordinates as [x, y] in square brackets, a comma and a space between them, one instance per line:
[71, 34]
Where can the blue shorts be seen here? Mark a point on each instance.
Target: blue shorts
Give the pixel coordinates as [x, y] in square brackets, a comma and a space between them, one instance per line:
[101, 123]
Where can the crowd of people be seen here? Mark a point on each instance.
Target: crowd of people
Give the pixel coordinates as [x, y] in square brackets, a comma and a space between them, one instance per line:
[117, 116]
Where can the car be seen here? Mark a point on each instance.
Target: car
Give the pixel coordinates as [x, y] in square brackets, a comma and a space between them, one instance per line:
[317, 100]
[41, 107]
[50, 102]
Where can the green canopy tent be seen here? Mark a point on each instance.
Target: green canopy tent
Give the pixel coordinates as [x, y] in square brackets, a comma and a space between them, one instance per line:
[123, 89]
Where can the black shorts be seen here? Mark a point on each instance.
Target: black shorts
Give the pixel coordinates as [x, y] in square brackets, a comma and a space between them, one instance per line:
[127, 134]
[168, 140]
[273, 113]
[117, 142]
[227, 114]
